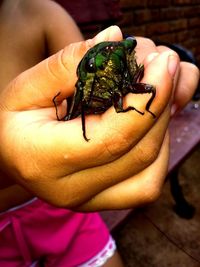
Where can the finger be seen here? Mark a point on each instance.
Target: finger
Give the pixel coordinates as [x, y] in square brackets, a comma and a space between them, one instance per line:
[133, 162]
[186, 85]
[112, 33]
[138, 190]
[111, 134]
[37, 86]
[87, 183]
[144, 47]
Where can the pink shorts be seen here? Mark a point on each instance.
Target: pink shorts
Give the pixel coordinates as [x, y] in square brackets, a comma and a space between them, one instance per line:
[37, 234]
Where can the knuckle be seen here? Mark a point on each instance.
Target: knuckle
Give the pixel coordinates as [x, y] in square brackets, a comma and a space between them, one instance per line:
[56, 66]
[117, 144]
[153, 194]
[148, 154]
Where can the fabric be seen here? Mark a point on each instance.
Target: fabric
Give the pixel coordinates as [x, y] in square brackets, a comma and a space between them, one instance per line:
[101, 258]
[37, 233]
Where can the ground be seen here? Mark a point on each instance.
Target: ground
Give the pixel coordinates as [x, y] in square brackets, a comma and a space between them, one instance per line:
[156, 236]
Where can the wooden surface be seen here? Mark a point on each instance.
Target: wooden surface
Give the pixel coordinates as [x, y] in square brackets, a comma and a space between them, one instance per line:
[185, 135]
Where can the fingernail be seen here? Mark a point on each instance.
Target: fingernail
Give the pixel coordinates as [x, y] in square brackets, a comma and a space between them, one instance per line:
[172, 64]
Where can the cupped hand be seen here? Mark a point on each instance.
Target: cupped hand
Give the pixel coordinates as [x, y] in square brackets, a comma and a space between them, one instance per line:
[52, 160]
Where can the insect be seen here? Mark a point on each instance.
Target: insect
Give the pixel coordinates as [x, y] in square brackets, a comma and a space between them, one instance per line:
[106, 73]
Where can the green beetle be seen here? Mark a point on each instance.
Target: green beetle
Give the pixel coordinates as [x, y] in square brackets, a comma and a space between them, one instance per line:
[106, 73]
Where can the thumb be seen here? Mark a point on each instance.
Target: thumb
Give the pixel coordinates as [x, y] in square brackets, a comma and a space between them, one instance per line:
[37, 86]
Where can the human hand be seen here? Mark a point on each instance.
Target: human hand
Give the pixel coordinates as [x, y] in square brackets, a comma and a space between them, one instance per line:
[186, 79]
[51, 159]
[145, 186]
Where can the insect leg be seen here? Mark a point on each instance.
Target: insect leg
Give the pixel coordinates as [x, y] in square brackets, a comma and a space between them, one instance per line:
[138, 76]
[142, 88]
[118, 104]
[74, 109]
[83, 121]
[56, 106]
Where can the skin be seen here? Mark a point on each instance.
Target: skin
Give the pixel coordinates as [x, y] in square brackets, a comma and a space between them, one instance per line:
[28, 34]
[43, 157]
[31, 33]
[52, 160]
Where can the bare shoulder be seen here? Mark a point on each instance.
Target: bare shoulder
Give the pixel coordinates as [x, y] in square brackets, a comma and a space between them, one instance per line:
[59, 27]
[38, 7]
[42, 12]
[31, 30]
[35, 6]
[31, 13]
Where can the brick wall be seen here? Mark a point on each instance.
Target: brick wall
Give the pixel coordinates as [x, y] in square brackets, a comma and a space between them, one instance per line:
[173, 21]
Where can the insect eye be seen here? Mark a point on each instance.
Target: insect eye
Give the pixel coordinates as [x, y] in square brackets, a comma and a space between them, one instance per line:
[109, 48]
[90, 65]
